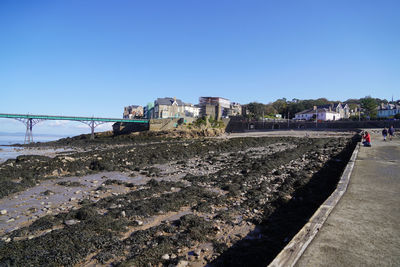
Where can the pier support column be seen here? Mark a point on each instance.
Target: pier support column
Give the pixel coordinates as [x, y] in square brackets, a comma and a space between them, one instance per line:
[92, 124]
[28, 134]
[29, 123]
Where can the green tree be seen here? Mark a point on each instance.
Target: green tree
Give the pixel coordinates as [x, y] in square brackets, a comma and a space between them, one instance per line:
[280, 106]
[256, 109]
[270, 110]
[369, 105]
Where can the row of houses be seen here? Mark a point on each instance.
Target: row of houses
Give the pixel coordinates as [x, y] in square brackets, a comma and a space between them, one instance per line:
[388, 110]
[219, 107]
[330, 112]
[339, 111]
[171, 107]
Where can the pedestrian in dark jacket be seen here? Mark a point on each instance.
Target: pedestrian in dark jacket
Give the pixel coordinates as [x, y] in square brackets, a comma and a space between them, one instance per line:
[384, 133]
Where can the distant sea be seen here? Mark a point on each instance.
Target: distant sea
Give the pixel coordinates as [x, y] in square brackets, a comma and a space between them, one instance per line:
[19, 138]
[7, 139]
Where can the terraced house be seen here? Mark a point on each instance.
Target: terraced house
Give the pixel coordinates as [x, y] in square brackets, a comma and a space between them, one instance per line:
[388, 110]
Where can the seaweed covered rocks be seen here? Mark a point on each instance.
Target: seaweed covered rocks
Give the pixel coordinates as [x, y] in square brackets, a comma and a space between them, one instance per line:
[218, 202]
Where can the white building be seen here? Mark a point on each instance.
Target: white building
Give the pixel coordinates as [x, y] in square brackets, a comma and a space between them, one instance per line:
[322, 114]
[192, 110]
[342, 109]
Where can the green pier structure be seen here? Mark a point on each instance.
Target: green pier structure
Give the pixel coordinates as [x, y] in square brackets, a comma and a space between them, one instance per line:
[30, 120]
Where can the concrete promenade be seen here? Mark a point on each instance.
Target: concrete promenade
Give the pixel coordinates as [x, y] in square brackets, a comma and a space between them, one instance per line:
[364, 227]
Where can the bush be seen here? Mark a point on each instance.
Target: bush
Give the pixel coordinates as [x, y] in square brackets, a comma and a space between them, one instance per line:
[200, 121]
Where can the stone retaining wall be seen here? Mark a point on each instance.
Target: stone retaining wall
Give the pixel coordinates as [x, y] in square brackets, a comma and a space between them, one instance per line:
[241, 124]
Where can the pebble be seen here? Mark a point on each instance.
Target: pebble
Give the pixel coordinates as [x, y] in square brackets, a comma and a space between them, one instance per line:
[139, 222]
[71, 222]
[72, 199]
[3, 212]
[77, 192]
[10, 220]
[165, 257]
[123, 214]
[182, 263]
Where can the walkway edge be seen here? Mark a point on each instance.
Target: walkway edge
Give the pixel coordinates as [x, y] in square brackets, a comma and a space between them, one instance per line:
[292, 252]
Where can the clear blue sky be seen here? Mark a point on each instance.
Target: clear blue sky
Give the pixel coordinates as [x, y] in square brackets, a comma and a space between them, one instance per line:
[94, 57]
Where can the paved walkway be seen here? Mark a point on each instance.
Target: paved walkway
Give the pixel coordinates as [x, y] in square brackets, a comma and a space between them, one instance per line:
[364, 228]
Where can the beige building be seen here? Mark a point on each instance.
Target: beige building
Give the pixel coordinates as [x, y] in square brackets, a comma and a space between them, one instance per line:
[168, 107]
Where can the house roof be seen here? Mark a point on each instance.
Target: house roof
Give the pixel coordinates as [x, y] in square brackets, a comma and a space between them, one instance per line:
[135, 106]
[333, 106]
[312, 111]
[168, 101]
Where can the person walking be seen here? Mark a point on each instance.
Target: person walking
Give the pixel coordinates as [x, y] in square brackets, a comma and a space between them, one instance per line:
[384, 133]
[391, 132]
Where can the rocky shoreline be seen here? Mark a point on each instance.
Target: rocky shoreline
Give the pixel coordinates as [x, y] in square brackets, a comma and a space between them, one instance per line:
[161, 201]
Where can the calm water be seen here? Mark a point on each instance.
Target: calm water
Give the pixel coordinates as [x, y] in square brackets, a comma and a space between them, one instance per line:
[19, 139]
[9, 152]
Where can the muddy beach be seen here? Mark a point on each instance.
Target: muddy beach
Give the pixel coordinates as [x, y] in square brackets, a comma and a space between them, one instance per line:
[154, 201]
